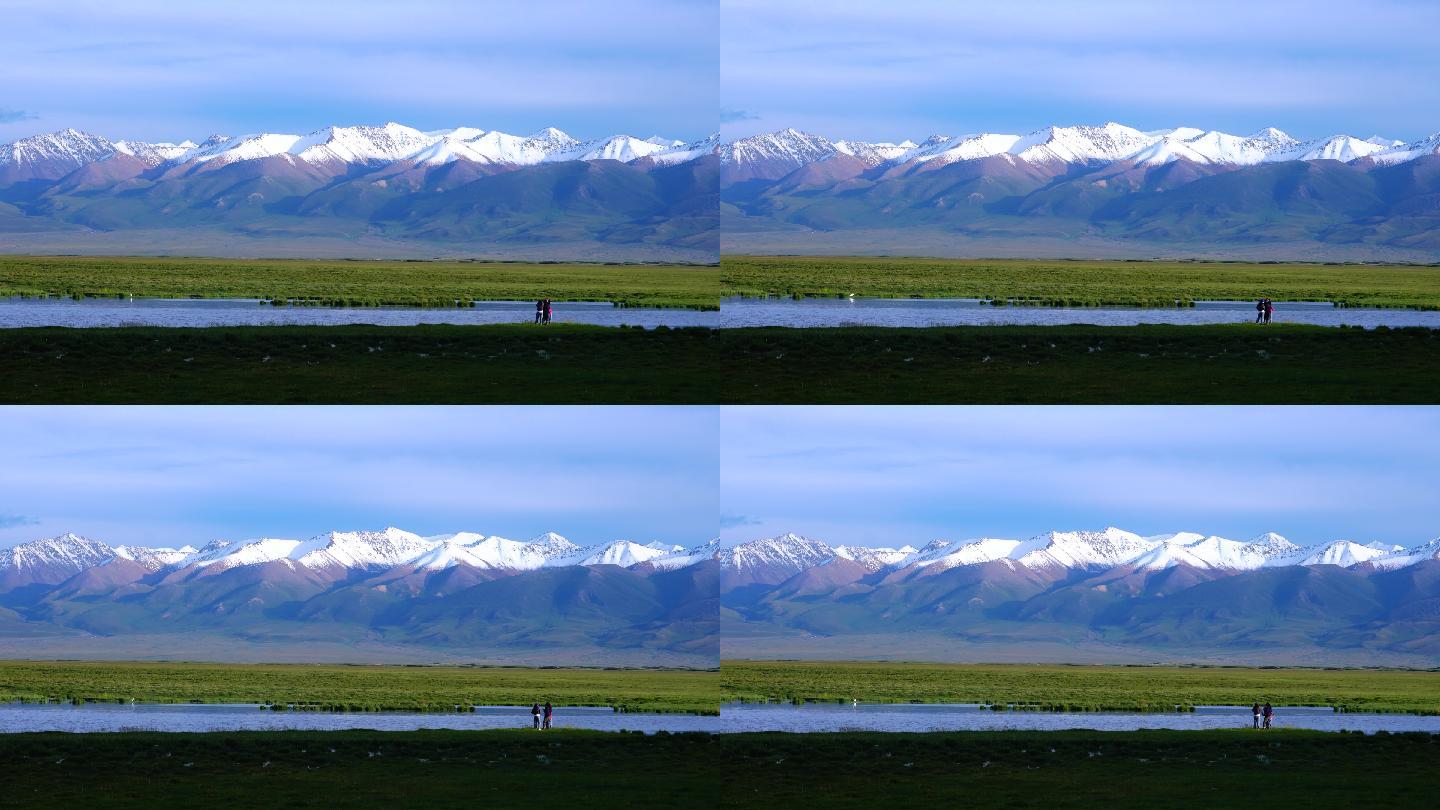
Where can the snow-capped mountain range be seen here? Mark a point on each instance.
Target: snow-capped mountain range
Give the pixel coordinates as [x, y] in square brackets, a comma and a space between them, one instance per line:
[1088, 145]
[52, 560]
[55, 154]
[1074, 550]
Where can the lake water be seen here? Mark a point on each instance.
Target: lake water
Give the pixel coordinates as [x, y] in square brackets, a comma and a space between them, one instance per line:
[734, 718]
[94, 312]
[95, 717]
[739, 312]
[819, 717]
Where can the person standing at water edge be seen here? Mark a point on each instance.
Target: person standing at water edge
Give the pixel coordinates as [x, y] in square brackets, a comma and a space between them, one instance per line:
[1269, 309]
[1269, 714]
[549, 713]
[547, 310]
[535, 709]
[1255, 715]
[539, 309]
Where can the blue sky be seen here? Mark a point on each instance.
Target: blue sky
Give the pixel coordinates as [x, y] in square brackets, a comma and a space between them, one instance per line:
[169, 476]
[155, 70]
[909, 69]
[893, 475]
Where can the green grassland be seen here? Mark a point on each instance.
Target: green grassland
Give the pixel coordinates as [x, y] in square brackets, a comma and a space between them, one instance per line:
[1149, 364]
[363, 688]
[567, 769]
[509, 363]
[361, 283]
[1081, 688]
[1081, 283]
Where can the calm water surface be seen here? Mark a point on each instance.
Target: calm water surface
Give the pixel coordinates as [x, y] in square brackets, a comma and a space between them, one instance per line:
[93, 312]
[739, 312]
[734, 718]
[21, 717]
[810, 717]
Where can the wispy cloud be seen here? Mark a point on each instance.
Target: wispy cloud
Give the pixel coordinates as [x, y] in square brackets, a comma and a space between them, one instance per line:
[728, 116]
[8, 116]
[737, 521]
[16, 521]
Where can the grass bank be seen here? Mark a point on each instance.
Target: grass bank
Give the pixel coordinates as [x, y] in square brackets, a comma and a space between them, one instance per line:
[509, 363]
[565, 769]
[361, 283]
[359, 688]
[1221, 364]
[1082, 283]
[1081, 688]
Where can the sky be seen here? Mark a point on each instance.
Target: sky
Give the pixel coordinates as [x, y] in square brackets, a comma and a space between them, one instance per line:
[164, 71]
[167, 476]
[913, 68]
[888, 476]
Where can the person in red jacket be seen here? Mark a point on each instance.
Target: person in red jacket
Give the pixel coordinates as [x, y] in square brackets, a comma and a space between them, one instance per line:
[1269, 714]
[549, 713]
[1269, 309]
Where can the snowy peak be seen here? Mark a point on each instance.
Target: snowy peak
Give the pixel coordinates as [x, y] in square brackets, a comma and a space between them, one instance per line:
[551, 545]
[787, 552]
[874, 559]
[774, 154]
[1081, 144]
[1343, 553]
[223, 555]
[498, 552]
[361, 144]
[366, 550]
[51, 156]
[67, 552]
[1082, 549]
[623, 553]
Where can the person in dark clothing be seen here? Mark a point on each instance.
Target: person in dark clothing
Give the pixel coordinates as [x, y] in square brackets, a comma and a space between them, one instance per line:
[535, 715]
[1255, 716]
[549, 713]
[539, 309]
[1260, 311]
[1269, 713]
[1269, 309]
[547, 310]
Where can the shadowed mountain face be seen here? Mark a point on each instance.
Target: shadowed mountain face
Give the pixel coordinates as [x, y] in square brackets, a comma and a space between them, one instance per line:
[1179, 187]
[637, 199]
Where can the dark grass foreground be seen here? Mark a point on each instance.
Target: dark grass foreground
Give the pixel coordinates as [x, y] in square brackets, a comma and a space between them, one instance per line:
[570, 769]
[520, 364]
[1141, 769]
[1229, 364]
[565, 363]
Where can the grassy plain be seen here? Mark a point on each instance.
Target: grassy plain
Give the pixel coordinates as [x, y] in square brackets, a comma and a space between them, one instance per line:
[360, 283]
[566, 769]
[367, 688]
[1151, 364]
[1081, 688]
[1081, 283]
[511, 363]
